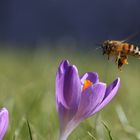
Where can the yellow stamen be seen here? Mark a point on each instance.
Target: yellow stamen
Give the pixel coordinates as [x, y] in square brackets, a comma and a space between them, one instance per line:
[87, 83]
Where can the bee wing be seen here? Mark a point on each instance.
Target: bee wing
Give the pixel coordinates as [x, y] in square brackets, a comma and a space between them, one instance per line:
[130, 37]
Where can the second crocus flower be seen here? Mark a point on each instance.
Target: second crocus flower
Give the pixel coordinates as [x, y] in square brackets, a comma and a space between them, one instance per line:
[4, 120]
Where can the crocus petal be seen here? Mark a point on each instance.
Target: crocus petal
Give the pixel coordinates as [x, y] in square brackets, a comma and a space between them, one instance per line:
[110, 93]
[60, 83]
[68, 85]
[72, 87]
[90, 98]
[3, 122]
[114, 84]
[68, 92]
[92, 76]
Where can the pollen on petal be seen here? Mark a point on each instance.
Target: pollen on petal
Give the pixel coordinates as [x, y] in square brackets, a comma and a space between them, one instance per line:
[87, 83]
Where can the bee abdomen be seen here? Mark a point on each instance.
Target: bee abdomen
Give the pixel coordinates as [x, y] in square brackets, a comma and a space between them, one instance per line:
[134, 50]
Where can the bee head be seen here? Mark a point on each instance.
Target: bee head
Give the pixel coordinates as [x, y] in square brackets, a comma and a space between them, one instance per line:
[105, 46]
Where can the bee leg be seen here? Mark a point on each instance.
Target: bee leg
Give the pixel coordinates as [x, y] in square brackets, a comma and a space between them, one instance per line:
[120, 64]
[117, 58]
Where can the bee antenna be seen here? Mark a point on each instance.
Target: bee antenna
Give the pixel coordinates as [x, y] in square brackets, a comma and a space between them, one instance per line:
[98, 48]
[98, 44]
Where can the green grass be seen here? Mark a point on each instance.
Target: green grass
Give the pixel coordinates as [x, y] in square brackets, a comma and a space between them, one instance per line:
[27, 89]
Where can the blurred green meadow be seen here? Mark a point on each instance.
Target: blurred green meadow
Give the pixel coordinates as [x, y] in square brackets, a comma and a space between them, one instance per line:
[27, 90]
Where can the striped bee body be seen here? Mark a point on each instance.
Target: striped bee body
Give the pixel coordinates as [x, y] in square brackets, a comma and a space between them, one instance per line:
[120, 50]
[134, 51]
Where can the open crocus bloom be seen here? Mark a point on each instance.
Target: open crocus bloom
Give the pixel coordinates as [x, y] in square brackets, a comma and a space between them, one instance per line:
[78, 98]
[4, 119]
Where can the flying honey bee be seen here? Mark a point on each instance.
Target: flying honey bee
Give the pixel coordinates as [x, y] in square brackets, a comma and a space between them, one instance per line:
[120, 50]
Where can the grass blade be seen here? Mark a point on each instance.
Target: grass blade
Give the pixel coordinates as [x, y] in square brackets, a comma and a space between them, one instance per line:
[125, 123]
[30, 132]
[108, 130]
[91, 135]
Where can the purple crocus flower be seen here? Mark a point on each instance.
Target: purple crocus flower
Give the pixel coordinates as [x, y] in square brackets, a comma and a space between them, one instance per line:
[78, 98]
[4, 119]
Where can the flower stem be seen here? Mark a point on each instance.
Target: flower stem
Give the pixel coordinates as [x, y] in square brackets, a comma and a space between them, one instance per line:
[64, 134]
[63, 137]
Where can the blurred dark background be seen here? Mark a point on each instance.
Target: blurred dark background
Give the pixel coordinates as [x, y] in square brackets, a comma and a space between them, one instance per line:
[74, 20]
